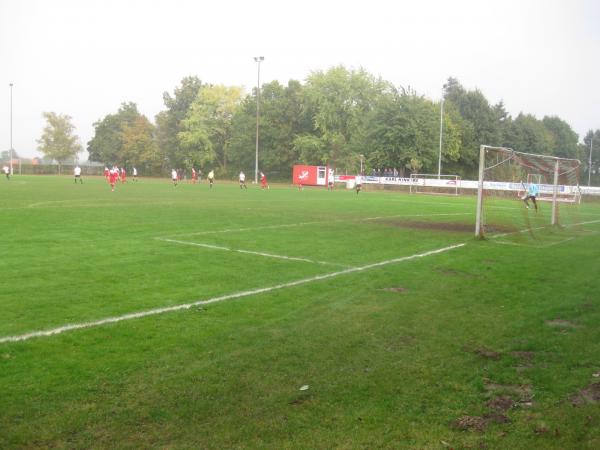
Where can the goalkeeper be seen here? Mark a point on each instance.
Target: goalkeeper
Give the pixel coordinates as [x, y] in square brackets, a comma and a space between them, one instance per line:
[532, 192]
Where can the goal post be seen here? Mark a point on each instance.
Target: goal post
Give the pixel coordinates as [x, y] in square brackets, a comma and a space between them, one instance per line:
[425, 183]
[506, 174]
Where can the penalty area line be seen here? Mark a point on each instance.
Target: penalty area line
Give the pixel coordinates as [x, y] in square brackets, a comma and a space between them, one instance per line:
[249, 252]
[156, 311]
[301, 224]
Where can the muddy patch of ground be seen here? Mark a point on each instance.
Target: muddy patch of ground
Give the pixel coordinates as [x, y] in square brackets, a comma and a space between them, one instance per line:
[525, 357]
[525, 360]
[560, 323]
[487, 353]
[478, 423]
[522, 392]
[590, 394]
[484, 352]
[422, 225]
[395, 289]
[501, 404]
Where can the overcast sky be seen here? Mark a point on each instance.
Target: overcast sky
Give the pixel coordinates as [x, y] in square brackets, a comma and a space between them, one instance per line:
[84, 58]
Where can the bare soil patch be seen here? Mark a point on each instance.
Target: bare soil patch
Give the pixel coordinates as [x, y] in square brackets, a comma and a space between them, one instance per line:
[469, 423]
[501, 404]
[525, 360]
[523, 392]
[487, 353]
[526, 357]
[395, 289]
[422, 225]
[560, 323]
[478, 423]
[590, 394]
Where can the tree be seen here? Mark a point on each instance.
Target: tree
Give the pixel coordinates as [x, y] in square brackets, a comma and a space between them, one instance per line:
[528, 134]
[404, 133]
[206, 129]
[58, 140]
[341, 100]
[283, 117]
[564, 139]
[169, 122]
[5, 155]
[107, 144]
[138, 146]
[481, 123]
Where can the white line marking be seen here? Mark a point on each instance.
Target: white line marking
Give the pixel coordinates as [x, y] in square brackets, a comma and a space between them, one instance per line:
[153, 312]
[299, 224]
[583, 223]
[539, 228]
[513, 243]
[250, 252]
[558, 242]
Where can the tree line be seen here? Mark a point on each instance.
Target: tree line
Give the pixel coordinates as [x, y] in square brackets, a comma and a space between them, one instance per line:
[336, 117]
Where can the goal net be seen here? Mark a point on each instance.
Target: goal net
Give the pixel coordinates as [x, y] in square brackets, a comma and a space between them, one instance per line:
[424, 183]
[507, 181]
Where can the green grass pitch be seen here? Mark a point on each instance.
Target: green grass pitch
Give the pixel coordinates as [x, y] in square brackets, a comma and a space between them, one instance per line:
[408, 331]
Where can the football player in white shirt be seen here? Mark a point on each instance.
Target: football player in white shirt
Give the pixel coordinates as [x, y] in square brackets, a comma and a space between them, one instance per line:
[358, 183]
[174, 177]
[330, 180]
[243, 181]
[77, 173]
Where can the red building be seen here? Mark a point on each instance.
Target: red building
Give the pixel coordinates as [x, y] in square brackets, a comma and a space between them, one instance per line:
[310, 175]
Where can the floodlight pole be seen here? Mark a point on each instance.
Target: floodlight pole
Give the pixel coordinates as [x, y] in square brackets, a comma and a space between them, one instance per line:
[441, 131]
[257, 59]
[10, 153]
[590, 160]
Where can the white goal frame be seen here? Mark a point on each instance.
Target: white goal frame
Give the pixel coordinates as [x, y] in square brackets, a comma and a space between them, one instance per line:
[552, 161]
[447, 181]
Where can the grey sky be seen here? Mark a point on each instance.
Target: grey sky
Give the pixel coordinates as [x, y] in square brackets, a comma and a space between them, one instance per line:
[84, 58]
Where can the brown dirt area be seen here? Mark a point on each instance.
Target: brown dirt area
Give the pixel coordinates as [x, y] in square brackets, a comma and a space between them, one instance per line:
[521, 391]
[478, 423]
[526, 357]
[421, 225]
[560, 323]
[590, 394]
[501, 404]
[487, 353]
[395, 289]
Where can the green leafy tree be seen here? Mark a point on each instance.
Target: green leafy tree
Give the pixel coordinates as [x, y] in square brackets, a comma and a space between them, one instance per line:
[169, 122]
[481, 123]
[58, 140]
[528, 134]
[207, 128]
[404, 134]
[283, 117]
[341, 100]
[564, 141]
[5, 155]
[138, 146]
[107, 144]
